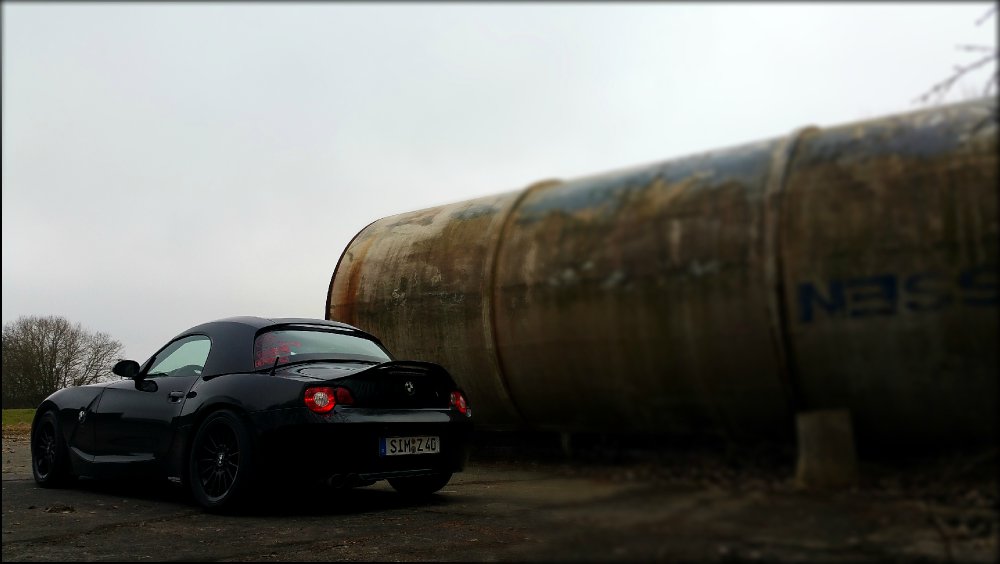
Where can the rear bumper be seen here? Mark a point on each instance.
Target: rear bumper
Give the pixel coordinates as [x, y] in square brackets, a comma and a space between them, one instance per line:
[301, 445]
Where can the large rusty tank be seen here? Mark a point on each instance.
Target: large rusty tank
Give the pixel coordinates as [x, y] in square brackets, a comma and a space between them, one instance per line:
[846, 267]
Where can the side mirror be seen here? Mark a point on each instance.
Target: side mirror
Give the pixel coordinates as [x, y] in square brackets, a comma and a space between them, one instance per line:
[126, 369]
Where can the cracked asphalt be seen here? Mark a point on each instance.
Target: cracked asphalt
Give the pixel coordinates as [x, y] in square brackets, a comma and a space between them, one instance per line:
[509, 509]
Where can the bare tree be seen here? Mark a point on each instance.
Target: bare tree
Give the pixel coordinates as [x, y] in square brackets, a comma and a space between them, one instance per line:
[44, 354]
[985, 55]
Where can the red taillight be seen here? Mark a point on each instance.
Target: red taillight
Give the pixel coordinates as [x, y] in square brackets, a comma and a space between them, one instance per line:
[459, 403]
[324, 399]
[320, 400]
[343, 396]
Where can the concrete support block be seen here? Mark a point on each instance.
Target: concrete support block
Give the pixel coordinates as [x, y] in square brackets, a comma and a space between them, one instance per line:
[827, 457]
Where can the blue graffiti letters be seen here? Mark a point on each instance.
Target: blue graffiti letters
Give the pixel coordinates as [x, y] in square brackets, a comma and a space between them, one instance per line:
[928, 291]
[887, 294]
[980, 285]
[876, 295]
[833, 303]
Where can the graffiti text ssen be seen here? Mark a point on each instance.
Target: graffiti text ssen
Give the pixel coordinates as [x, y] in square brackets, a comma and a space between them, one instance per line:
[889, 294]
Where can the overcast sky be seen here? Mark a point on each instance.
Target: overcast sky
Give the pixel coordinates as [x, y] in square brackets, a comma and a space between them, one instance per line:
[169, 164]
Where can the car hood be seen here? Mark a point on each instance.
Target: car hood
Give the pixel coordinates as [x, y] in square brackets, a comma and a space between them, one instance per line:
[102, 384]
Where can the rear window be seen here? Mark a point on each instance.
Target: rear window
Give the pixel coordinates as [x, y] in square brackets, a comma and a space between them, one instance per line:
[289, 345]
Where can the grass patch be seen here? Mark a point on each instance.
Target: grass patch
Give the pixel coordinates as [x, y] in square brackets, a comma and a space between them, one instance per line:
[17, 422]
[15, 416]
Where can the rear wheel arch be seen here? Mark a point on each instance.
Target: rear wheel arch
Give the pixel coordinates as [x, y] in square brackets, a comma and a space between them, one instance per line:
[239, 421]
[203, 413]
[206, 410]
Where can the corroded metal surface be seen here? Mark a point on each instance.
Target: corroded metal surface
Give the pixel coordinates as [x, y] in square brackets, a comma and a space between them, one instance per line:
[615, 295]
[890, 248]
[420, 282]
[852, 267]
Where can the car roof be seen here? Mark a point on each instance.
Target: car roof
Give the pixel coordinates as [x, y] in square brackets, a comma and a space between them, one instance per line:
[232, 339]
[261, 322]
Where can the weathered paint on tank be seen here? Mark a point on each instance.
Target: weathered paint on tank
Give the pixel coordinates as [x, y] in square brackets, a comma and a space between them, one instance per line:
[626, 286]
[890, 249]
[423, 291]
[847, 267]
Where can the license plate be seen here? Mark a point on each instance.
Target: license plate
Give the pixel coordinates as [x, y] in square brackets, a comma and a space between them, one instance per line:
[394, 446]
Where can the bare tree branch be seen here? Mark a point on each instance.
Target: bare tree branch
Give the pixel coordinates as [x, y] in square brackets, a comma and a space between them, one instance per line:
[941, 88]
[987, 15]
[938, 91]
[44, 354]
[981, 48]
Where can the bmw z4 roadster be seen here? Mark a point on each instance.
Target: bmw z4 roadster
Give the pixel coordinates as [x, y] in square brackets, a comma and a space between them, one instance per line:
[240, 401]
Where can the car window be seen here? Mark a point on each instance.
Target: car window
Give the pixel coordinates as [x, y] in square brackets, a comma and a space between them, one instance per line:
[285, 345]
[184, 357]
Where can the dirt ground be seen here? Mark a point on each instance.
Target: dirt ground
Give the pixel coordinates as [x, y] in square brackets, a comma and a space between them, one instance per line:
[508, 506]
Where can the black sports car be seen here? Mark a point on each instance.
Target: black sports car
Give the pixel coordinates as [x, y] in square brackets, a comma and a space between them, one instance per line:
[237, 401]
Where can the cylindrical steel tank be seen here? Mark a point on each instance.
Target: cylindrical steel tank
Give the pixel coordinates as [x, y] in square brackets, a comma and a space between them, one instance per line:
[850, 267]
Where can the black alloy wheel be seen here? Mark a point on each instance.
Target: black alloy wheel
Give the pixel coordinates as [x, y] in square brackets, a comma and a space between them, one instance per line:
[49, 461]
[220, 464]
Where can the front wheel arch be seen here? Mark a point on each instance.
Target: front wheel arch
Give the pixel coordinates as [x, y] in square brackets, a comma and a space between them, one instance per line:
[50, 465]
[47, 405]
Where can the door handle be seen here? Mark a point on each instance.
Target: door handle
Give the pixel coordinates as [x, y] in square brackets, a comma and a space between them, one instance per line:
[175, 397]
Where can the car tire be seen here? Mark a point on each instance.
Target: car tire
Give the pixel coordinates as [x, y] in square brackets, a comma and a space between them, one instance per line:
[49, 455]
[420, 485]
[220, 465]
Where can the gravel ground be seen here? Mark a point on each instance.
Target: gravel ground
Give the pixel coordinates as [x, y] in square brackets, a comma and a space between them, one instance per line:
[525, 501]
